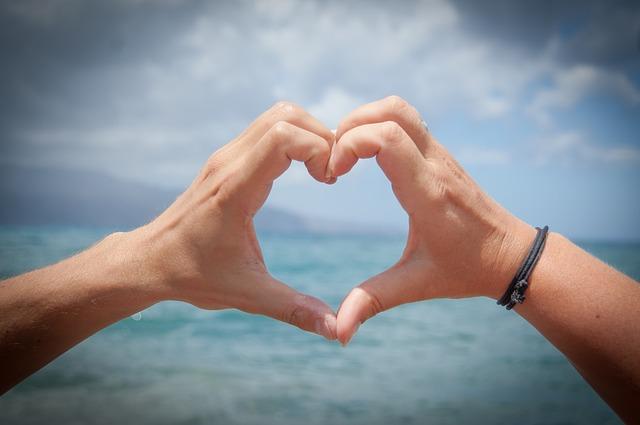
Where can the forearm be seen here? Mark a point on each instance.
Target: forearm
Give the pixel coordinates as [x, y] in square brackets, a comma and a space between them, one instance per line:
[48, 311]
[591, 313]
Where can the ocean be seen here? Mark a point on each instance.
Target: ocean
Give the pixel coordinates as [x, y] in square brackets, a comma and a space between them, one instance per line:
[436, 362]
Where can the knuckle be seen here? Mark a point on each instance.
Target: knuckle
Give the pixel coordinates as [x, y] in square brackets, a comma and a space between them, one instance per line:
[375, 305]
[391, 132]
[212, 166]
[219, 200]
[292, 316]
[298, 313]
[286, 109]
[219, 193]
[439, 189]
[397, 105]
[280, 131]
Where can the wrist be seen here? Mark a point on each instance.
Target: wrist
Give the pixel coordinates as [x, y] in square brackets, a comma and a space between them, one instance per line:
[128, 264]
[512, 248]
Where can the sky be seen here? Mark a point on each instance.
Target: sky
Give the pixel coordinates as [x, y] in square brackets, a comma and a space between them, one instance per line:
[539, 101]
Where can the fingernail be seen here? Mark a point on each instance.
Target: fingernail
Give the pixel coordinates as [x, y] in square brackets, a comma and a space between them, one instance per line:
[328, 174]
[332, 326]
[351, 336]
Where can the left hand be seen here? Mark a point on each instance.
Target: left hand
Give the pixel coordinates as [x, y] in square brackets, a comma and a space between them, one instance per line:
[461, 242]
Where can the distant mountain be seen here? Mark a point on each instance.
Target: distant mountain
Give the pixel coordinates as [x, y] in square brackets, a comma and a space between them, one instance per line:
[47, 196]
[71, 197]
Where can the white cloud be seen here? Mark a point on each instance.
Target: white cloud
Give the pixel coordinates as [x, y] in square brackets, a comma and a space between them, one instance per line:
[572, 146]
[296, 175]
[301, 49]
[571, 85]
[164, 156]
[492, 107]
[216, 70]
[318, 33]
[333, 106]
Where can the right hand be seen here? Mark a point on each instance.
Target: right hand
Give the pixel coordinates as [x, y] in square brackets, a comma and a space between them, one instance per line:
[203, 249]
[461, 242]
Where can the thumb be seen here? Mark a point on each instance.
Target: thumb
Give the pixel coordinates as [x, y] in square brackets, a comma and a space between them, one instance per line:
[281, 302]
[400, 284]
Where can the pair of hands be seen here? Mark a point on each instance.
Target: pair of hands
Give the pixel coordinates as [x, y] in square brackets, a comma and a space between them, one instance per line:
[203, 249]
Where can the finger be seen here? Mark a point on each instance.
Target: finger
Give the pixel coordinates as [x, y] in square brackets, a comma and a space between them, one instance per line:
[395, 152]
[287, 112]
[392, 108]
[284, 142]
[281, 302]
[280, 112]
[395, 286]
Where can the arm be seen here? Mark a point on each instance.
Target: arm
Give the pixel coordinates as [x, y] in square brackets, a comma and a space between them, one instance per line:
[47, 311]
[202, 250]
[462, 244]
[591, 313]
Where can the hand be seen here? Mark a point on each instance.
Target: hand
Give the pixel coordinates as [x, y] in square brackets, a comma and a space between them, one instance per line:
[461, 243]
[203, 249]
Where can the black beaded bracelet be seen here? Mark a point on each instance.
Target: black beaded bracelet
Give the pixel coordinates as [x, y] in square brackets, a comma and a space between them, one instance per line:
[515, 292]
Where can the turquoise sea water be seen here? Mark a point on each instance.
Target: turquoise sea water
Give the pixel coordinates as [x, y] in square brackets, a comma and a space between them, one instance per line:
[436, 362]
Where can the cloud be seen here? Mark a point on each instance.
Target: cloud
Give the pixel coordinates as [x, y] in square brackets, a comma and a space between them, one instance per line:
[572, 146]
[602, 33]
[610, 38]
[334, 105]
[419, 50]
[88, 73]
[572, 85]
[125, 83]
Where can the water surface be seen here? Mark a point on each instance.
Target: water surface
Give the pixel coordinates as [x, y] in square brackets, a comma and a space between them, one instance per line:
[437, 362]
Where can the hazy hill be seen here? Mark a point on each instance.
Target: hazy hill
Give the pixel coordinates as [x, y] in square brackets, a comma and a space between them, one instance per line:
[45, 196]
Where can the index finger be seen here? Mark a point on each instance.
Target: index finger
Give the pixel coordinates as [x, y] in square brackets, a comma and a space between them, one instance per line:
[284, 143]
[285, 112]
[392, 108]
[395, 152]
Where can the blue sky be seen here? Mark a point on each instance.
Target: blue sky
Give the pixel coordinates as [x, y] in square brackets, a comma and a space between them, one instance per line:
[540, 103]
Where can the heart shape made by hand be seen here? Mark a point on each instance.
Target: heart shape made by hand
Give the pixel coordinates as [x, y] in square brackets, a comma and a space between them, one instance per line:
[457, 238]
